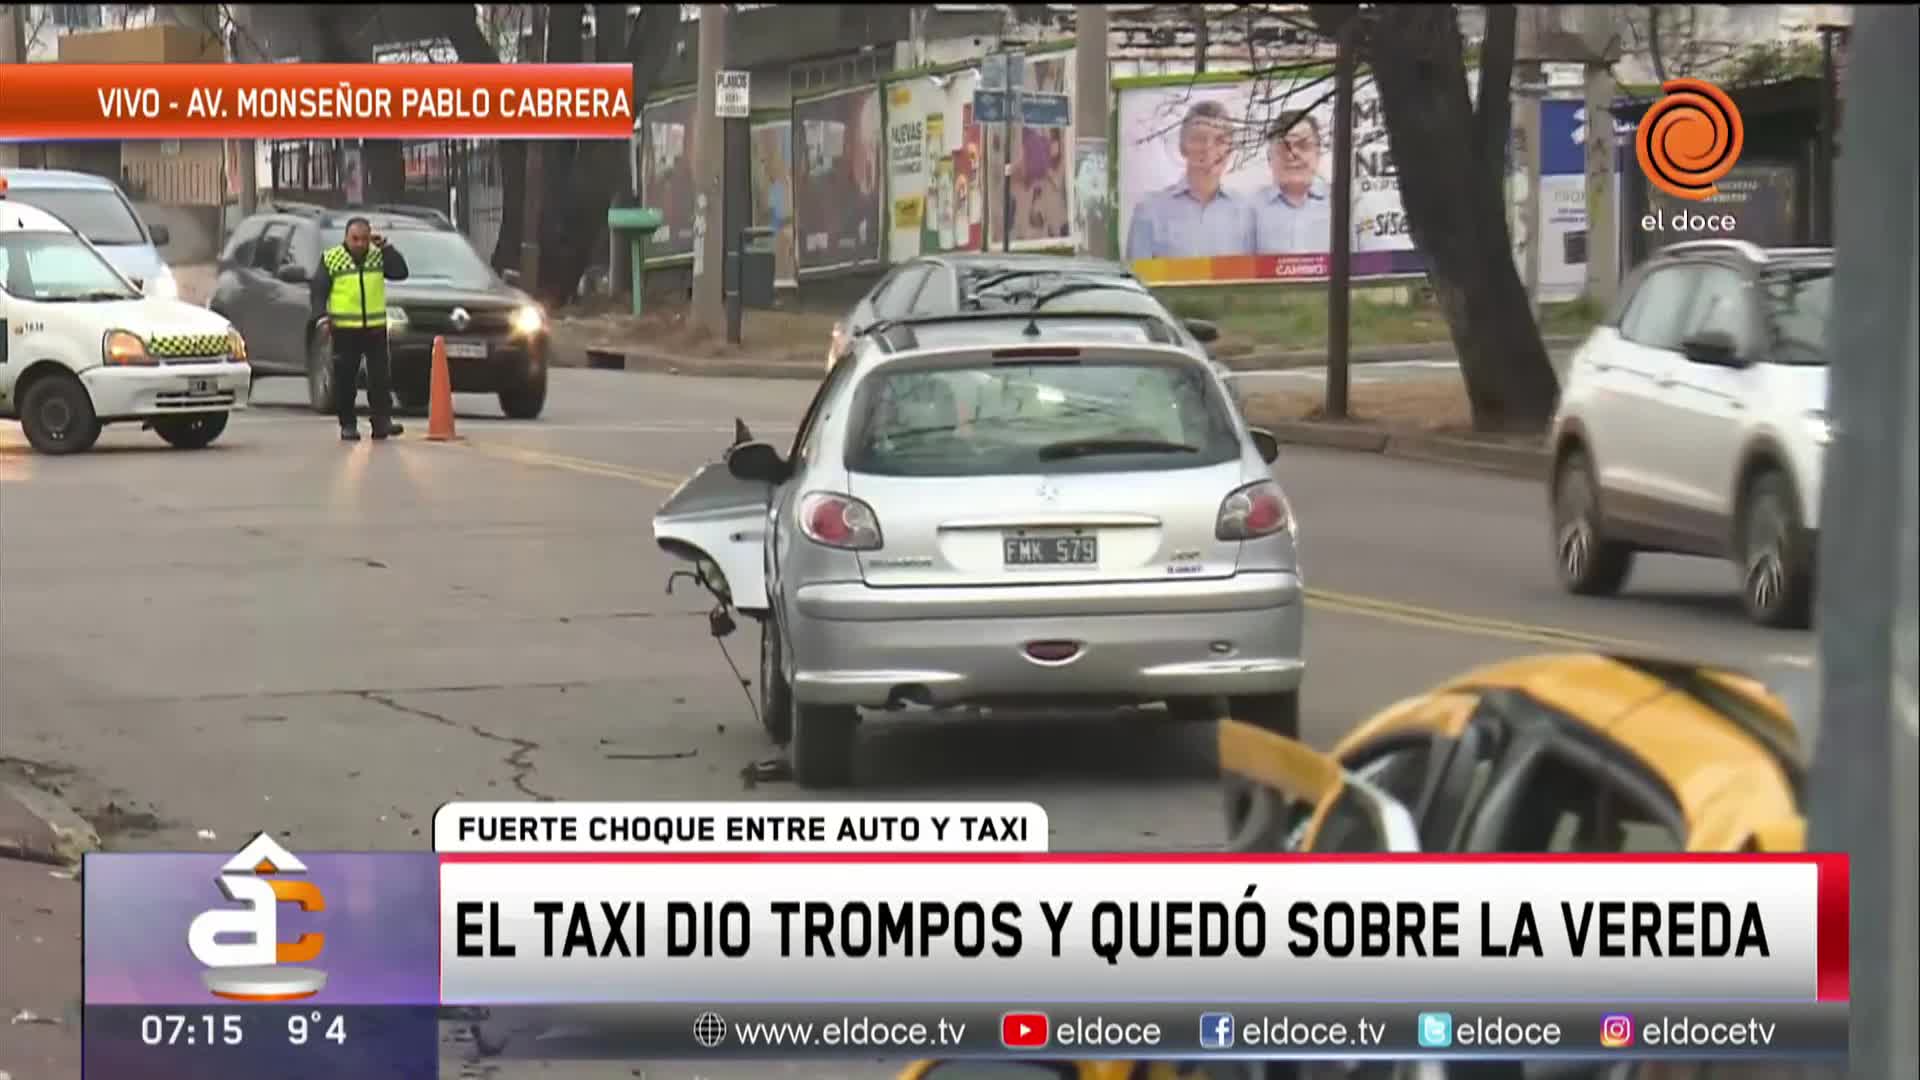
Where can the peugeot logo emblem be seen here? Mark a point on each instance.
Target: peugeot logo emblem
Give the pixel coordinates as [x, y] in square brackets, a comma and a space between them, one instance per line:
[1048, 492]
[461, 318]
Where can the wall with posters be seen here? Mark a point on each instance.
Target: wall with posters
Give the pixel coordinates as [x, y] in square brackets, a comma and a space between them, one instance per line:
[935, 205]
[1227, 204]
[773, 193]
[666, 174]
[839, 187]
[1563, 197]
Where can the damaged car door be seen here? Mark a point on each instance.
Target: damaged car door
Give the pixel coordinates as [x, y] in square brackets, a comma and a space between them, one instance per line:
[717, 520]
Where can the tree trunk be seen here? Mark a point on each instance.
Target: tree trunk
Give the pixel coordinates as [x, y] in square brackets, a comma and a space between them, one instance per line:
[1450, 164]
[470, 44]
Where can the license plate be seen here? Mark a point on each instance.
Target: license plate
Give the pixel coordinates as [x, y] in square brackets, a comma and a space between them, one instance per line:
[466, 350]
[1050, 549]
[201, 388]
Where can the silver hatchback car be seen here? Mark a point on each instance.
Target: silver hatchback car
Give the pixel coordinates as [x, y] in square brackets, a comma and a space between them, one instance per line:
[1004, 510]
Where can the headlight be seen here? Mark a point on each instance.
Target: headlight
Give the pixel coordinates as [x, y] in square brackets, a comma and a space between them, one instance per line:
[236, 345]
[397, 317]
[124, 348]
[163, 285]
[1818, 429]
[528, 321]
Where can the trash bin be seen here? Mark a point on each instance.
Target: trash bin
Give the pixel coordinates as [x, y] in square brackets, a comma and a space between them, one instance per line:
[756, 269]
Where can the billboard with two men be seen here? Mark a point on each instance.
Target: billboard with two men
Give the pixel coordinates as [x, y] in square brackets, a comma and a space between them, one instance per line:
[1222, 182]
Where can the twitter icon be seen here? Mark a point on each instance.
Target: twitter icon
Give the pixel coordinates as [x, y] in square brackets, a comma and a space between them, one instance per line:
[1436, 1030]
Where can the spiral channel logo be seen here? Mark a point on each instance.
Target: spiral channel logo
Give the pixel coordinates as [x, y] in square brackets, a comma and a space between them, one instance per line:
[1689, 139]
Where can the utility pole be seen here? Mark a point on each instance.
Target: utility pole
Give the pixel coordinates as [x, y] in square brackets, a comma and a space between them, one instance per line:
[1340, 270]
[709, 172]
[241, 50]
[1090, 101]
[533, 196]
[1603, 236]
[1530, 89]
[1861, 792]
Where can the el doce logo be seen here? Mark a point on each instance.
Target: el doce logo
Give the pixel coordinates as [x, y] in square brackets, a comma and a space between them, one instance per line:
[256, 969]
[1689, 139]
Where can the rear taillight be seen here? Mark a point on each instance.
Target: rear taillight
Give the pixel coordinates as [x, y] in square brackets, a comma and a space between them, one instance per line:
[1259, 509]
[839, 521]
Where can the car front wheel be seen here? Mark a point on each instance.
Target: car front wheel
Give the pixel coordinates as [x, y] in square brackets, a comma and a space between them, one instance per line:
[320, 388]
[191, 432]
[1587, 562]
[526, 401]
[57, 414]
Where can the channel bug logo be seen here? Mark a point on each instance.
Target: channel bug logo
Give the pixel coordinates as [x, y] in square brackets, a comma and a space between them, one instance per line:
[1689, 139]
[258, 967]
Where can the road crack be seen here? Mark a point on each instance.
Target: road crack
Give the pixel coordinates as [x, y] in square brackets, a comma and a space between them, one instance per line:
[519, 760]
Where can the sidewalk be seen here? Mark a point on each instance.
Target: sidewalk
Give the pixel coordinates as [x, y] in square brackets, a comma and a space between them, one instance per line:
[39, 942]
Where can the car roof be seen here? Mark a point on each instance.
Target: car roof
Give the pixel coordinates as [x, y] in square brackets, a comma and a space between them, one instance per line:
[1749, 252]
[989, 262]
[17, 216]
[391, 216]
[50, 179]
[1723, 745]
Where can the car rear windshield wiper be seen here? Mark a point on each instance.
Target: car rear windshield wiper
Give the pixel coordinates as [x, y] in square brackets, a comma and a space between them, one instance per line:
[1085, 286]
[1072, 448]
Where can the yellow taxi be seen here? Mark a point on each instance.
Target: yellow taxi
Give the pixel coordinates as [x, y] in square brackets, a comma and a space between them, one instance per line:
[1557, 753]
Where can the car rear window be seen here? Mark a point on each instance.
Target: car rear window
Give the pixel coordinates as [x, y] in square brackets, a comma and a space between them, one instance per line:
[98, 214]
[983, 418]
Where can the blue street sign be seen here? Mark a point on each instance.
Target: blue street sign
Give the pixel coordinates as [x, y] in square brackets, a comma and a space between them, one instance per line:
[1045, 110]
[989, 106]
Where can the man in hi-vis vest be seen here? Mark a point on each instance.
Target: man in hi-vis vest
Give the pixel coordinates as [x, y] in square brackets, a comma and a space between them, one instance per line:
[352, 283]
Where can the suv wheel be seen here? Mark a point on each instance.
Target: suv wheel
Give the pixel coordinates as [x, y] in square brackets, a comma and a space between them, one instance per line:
[1776, 567]
[525, 402]
[1588, 563]
[320, 388]
[57, 415]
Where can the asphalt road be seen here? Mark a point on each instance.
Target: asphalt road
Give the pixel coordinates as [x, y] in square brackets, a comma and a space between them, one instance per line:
[287, 633]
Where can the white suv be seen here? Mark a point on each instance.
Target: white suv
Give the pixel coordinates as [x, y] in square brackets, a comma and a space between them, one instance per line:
[1694, 421]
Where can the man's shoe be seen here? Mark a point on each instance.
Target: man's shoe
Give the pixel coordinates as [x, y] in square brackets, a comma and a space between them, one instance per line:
[349, 434]
[381, 431]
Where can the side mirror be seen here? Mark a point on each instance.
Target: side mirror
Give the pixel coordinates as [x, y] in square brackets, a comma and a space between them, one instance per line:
[160, 234]
[1713, 347]
[1203, 331]
[1269, 447]
[293, 274]
[510, 276]
[757, 461]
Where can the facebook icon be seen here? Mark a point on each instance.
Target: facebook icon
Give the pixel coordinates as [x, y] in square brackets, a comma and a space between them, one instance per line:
[1216, 1031]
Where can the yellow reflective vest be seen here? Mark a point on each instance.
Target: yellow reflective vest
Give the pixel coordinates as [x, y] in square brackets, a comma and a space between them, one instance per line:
[357, 298]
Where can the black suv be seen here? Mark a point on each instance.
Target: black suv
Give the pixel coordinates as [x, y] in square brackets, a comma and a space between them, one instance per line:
[497, 337]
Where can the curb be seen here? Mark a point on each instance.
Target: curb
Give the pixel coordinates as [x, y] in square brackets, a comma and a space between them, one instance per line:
[56, 834]
[1521, 461]
[611, 357]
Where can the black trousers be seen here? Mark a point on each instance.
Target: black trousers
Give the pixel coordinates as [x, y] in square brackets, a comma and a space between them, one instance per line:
[351, 348]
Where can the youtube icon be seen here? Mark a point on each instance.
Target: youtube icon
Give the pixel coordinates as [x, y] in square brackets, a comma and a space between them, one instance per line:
[1023, 1030]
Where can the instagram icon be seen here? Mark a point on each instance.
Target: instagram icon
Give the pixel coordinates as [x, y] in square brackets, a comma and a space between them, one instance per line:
[1616, 1031]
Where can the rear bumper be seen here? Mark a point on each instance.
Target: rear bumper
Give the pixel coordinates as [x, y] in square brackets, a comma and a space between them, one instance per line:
[140, 393]
[855, 645]
[510, 363]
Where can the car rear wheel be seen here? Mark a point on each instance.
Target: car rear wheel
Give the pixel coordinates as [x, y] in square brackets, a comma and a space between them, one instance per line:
[1587, 562]
[191, 432]
[320, 388]
[822, 748]
[526, 401]
[1278, 713]
[57, 415]
[776, 699]
[1776, 584]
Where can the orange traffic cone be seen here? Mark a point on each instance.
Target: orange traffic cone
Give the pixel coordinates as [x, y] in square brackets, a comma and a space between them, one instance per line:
[440, 396]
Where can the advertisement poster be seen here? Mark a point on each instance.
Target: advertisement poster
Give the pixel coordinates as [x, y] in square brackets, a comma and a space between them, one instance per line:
[909, 165]
[837, 196]
[773, 193]
[1563, 198]
[1216, 186]
[666, 175]
[1042, 159]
